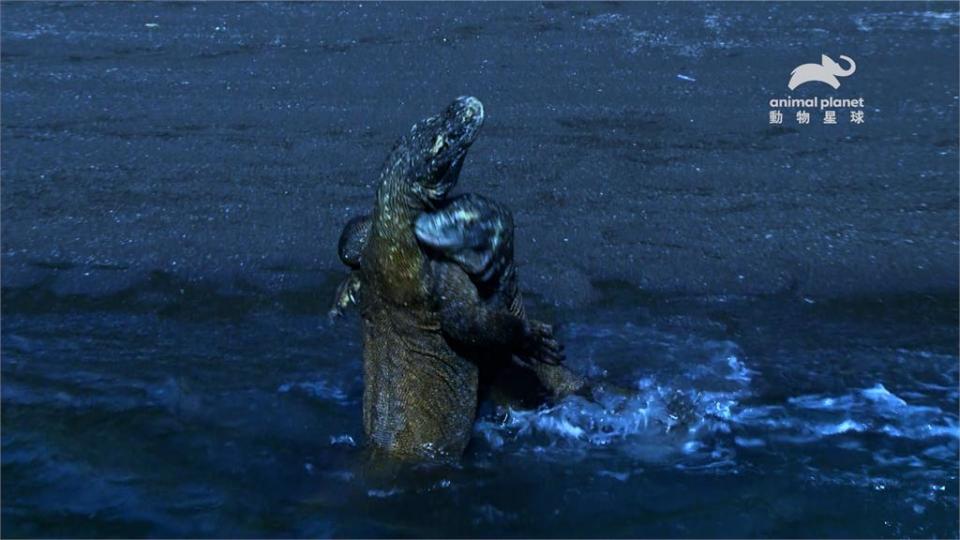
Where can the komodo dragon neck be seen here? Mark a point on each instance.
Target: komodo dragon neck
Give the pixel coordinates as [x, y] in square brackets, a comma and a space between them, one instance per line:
[392, 256]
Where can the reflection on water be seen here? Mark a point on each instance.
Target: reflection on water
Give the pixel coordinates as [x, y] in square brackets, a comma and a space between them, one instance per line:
[719, 417]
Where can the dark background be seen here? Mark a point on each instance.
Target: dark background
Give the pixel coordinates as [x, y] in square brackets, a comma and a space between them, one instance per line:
[158, 146]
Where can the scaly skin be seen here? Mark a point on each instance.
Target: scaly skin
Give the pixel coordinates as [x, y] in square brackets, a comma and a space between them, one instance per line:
[420, 395]
[475, 234]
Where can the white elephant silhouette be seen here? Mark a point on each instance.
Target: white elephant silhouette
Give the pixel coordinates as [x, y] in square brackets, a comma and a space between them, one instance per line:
[826, 72]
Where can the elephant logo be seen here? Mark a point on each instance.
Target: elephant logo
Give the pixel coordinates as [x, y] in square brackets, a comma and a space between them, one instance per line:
[826, 72]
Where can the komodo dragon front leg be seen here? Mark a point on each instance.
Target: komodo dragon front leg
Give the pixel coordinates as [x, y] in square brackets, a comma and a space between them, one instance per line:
[476, 324]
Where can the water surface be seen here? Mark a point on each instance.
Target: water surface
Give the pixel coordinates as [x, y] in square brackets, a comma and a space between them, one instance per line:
[745, 417]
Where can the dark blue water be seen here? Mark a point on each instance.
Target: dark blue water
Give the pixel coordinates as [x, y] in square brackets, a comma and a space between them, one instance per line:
[796, 417]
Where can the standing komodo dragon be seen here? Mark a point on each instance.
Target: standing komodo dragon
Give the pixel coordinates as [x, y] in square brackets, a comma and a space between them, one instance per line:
[420, 394]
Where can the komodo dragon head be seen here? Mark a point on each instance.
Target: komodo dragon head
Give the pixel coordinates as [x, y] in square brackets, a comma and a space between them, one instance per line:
[432, 153]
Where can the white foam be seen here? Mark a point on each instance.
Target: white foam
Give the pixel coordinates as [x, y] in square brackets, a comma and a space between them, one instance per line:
[383, 493]
[319, 389]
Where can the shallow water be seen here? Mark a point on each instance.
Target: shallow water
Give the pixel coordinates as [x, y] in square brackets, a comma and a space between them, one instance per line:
[764, 417]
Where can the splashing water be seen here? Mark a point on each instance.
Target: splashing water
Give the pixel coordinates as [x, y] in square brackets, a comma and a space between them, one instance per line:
[254, 425]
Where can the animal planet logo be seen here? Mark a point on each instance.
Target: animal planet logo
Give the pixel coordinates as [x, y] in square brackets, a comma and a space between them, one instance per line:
[826, 72]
